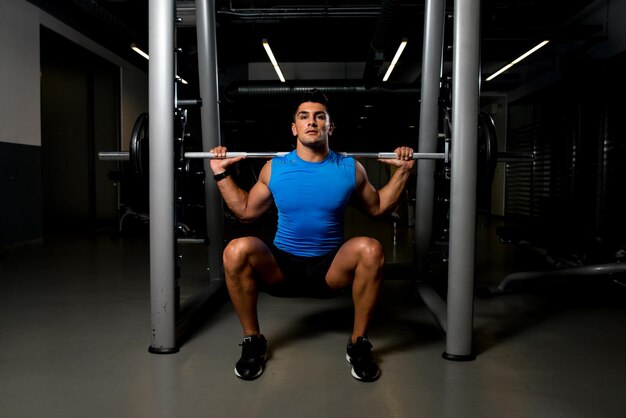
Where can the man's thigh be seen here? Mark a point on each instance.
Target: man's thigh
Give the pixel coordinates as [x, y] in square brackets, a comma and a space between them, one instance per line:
[342, 270]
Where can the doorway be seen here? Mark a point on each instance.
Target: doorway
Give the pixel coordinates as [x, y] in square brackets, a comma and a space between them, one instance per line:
[80, 102]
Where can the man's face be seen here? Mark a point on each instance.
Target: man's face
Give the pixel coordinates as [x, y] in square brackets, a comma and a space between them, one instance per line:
[312, 124]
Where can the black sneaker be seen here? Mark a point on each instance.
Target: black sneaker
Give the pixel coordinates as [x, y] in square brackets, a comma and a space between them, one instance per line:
[253, 356]
[359, 355]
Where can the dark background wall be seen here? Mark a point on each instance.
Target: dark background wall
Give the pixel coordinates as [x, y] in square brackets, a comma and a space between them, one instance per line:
[79, 111]
[20, 182]
[575, 186]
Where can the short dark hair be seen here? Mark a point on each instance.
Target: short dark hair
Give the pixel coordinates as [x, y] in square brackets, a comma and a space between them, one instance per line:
[314, 96]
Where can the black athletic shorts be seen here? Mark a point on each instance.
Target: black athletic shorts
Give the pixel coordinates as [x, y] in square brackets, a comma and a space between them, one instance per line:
[304, 276]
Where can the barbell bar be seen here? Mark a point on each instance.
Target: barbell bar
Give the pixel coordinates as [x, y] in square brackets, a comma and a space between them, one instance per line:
[125, 156]
[114, 156]
[380, 155]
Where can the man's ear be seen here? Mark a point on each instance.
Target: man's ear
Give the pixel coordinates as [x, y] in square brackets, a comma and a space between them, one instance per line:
[331, 129]
[293, 129]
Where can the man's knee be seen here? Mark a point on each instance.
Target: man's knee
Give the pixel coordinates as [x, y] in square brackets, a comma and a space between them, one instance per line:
[371, 252]
[237, 252]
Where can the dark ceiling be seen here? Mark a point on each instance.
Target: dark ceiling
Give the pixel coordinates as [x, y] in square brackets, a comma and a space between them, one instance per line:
[355, 39]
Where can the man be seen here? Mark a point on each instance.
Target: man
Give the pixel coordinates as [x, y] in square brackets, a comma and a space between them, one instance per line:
[311, 187]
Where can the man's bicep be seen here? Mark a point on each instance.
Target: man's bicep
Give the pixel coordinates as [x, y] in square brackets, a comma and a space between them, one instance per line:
[260, 197]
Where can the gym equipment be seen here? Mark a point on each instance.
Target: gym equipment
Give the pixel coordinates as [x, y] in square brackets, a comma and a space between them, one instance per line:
[513, 280]
[125, 156]
[133, 178]
[167, 320]
[379, 155]
[455, 313]
[114, 156]
[137, 182]
[138, 147]
[569, 254]
[465, 94]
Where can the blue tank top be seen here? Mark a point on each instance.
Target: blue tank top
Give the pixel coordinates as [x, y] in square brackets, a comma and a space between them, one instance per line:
[311, 199]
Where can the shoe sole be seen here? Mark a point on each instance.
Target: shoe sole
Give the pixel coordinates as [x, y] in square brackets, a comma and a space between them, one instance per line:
[357, 377]
[249, 378]
[256, 375]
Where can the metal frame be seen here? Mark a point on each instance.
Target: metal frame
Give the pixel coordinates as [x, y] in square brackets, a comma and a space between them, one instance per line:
[455, 314]
[210, 123]
[432, 63]
[169, 321]
[465, 99]
[458, 320]
[161, 183]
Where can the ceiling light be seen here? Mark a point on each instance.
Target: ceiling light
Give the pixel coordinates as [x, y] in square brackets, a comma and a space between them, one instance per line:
[506, 67]
[395, 59]
[270, 54]
[138, 50]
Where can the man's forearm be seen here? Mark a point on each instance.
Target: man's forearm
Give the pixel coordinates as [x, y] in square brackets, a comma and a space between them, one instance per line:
[392, 192]
[235, 197]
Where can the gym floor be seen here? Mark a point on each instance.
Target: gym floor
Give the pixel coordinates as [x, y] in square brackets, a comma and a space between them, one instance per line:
[75, 332]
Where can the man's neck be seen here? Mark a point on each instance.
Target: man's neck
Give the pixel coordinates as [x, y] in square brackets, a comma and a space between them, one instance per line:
[312, 154]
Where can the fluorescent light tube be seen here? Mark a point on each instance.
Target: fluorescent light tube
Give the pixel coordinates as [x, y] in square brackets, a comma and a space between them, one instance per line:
[517, 60]
[138, 50]
[270, 54]
[395, 59]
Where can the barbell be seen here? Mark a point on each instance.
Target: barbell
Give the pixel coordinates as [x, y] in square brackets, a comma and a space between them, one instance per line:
[379, 155]
[125, 155]
[139, 143]
[138, 150]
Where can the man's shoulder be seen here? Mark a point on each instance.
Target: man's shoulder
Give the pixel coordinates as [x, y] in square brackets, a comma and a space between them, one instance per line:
[343, 159]
[284, 158]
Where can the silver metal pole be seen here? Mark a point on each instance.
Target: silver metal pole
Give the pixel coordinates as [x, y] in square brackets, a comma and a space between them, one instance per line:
[161, 133]
[465, 102]
[210, 122]
[432, 55]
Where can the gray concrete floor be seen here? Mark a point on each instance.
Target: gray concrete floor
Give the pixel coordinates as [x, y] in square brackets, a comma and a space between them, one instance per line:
[75, 332]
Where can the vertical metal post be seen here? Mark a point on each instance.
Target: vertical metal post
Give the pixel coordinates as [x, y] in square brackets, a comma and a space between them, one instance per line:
[161, 186]
[210, 122]
[432, 55]
[465, 107]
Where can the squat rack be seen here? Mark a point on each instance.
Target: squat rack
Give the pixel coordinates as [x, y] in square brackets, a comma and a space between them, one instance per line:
[455, 315]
